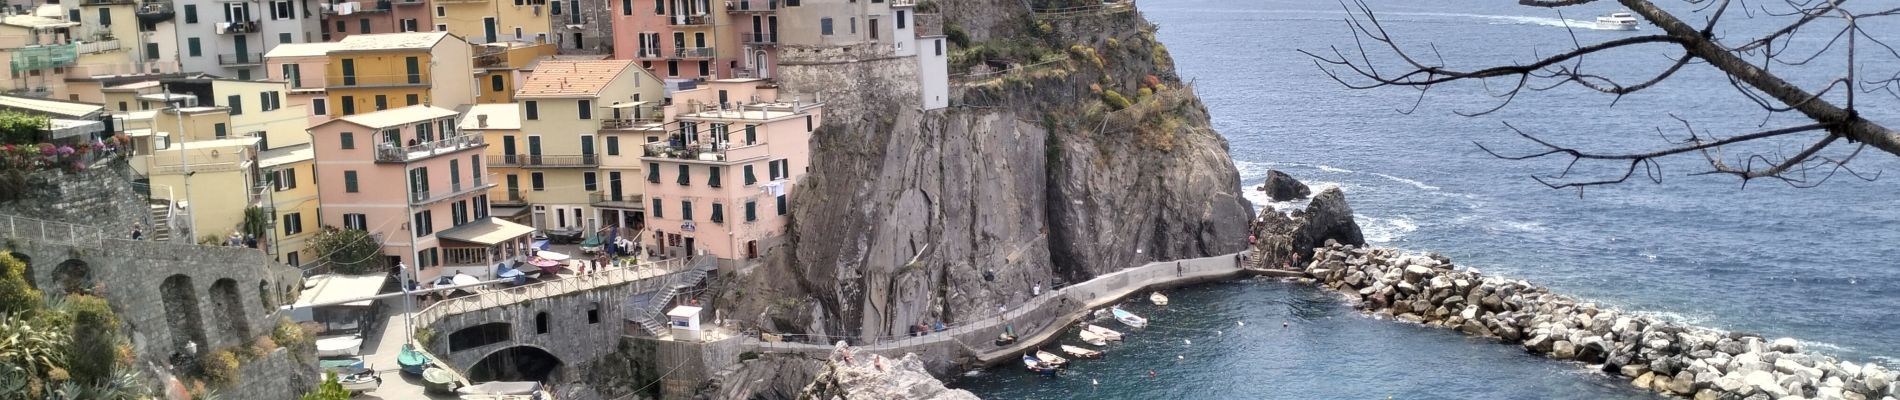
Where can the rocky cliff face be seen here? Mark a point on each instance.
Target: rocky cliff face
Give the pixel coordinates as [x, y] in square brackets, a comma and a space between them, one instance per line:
[1087, 156]
[869, 376]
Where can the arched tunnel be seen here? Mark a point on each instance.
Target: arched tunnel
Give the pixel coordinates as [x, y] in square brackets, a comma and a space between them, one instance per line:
[518, 363]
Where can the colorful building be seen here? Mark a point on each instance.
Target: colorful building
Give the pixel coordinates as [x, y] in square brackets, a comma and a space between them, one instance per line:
[440, 224]
[368, 73]
[491, 21]
[37, 50]
[193, 160]
[720, 180]
[552, 166]
[303, 66]
[342, 19]
[285, 161]
[501, 67]
[229, 38]
[674, 39]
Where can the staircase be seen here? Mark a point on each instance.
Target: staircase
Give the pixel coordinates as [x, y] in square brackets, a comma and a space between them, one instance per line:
[160, 227]
[649, 310]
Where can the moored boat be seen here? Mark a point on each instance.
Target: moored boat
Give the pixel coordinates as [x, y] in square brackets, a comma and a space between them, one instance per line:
[1036, 365]
[1106, 333]
[1129, 318]
[1081, 352]
[1051, 359]
[1621, 21]
[1094, 338]
[1158, 298]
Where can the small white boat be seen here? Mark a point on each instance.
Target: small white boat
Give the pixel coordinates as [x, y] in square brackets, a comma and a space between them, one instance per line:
[1051, 359]
[358, 380]
[1081, 352]
[1622, 21]
[1094, 338]
[1037, 365]
[1129, 318]
[1158, 298]
[339, 346]
[1106, 333]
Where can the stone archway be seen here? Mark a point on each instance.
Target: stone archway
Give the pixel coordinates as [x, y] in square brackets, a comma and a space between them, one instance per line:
[181, 312]
[73, 276]
[518, 363]
[480, 335]
[229, 304]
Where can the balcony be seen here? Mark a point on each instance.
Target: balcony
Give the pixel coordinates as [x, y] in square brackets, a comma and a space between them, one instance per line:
[759, 38]
[360, 81]
[241, 59]
[152, 12]
[38, 57]
[545, 161]
[652, 120]
[350, 7]
[389, 153]
[104, 2]
[605, 199]
[237, 27]
[96, 47]
[512, 196]
[751, 6]
[713, 152]
[903, 3]
[425, 197]
[694, 52]
[688, 20]
[646, 53]
[409, 2]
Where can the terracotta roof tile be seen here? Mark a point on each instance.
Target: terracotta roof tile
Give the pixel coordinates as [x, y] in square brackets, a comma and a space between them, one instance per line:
[571, 78]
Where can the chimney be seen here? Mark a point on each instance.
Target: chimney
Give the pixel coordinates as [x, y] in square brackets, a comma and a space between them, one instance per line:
[481, 120]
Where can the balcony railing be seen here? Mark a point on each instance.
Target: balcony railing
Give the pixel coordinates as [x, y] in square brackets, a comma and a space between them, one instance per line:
[241, 59]
[739, 6]
[43, 57]
[759, 38]
[421, 197]
[409, 2]
[903, 3]
[391, 153]
[705, 151]
[694, 52]
[623, 200]
[96, 47]
[688, 20]
[513, 196]
[333, 8]
[232, 28]
[154, 11]
[649, 120]
[461, 1]
[545, 161]
[646, 53]
[104, 2]
[378, 80]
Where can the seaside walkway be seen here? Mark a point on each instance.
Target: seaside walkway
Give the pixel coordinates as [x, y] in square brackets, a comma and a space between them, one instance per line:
[1036, 322]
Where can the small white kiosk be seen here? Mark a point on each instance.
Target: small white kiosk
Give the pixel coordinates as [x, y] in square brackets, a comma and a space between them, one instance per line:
[684, 323]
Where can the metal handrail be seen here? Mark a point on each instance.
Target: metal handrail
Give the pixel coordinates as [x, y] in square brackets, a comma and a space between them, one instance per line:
[391, 153]
[538, 290]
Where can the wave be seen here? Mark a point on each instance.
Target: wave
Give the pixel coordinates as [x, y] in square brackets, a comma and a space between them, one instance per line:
[1510, 19]
[1329, 168]
[1250, 170]
[1416, 184]
[1385, 230]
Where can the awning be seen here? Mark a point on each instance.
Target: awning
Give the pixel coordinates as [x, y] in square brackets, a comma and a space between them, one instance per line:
[330, 290]
[487, 232]
[627, 104]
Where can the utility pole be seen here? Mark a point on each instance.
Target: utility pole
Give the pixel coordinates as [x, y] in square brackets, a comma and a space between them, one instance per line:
[184, 162]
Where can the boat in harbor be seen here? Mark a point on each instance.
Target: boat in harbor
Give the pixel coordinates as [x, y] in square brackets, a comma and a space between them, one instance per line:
[1621, 21]
[1158, 298]
[1051, 359]
[1106, 333]
[1129, 318]
[1081, 352]
[1037, 365]
[1093, 338]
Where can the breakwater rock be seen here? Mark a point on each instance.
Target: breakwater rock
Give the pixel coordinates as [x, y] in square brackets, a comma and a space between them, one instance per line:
[854, 375]
[1655, 354]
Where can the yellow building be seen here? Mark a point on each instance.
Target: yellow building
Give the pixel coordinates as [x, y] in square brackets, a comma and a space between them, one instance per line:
[491, 21]
[220, 164]
[552, 166]
[501, 67]
[374, 72]
[285, 163]
[36, 50]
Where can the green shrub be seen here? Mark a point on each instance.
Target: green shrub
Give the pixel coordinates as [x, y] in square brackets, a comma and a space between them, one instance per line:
[16, 294]
[219, 368]
[1115, 100]
[95, 332]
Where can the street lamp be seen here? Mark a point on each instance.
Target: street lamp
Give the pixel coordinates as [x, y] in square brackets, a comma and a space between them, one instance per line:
[178, 111]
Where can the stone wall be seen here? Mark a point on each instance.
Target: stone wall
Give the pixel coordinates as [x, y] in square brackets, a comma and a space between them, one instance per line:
[1664, 356]
[100, 196]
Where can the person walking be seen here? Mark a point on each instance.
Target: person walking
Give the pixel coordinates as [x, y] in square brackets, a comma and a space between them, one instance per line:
[138, 231]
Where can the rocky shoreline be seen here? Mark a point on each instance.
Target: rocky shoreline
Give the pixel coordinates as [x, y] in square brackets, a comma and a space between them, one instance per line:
[1658, 355]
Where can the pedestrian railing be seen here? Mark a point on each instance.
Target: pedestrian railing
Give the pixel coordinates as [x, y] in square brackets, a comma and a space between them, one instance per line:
[52, 231]
[578, 283]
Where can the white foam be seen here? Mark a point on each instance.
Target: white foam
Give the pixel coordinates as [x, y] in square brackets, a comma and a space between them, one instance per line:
[1250, 170]
[1514, 20]
[1385, 230]
[1416, 184]
[1329, 168]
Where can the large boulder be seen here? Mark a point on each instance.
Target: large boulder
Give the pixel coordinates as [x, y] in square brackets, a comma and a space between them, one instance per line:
[1282, 187]
[1328, 217]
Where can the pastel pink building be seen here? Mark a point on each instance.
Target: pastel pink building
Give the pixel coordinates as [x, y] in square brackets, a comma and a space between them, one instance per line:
[303, 65]
[344, 18]
[409, 177]
[720, 179]
[691, 39]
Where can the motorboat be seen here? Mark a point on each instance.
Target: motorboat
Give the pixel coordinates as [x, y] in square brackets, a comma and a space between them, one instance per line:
[412, 361]
[339, 346]
[1158, 298]
[358, 380]
[1129, 318]
[1051, 358]
[1093, 338]
[503, 390]
[1621, 21]
[1081, 352]
[1106, 333]
[1005, 339]
[1036, 365]
[439, 381]
[341, 363]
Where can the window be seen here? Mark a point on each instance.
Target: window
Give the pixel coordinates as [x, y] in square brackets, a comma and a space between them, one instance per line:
[593, 311]
[105, 17]
[286, 179]
[686, 175]
[772, 172]
[534, 109]
[751, 135]
[659, 7]
[939, 43]
[455, 174]
[587, 148]
[349, 105]
[441, 27]
[705, 68]
[284, 38]
[537, 182]
[751, 211]
[340, 27]
[554, 8]
[219, 131]
[349, 72]
[588, 181]
[854, 25]
[356, 221]
[382, 102]
[626, 7]
[413, 66]
[900, 19]
[824, 24]
[791, 3]
[122, 106]
[495, 84]
[686, 210]
[541, 322]
[440, 12]
[653, 172]
[412, 99]
[193, 48]
[236, 103]
[422, 223]
[191, 14]
[712, 179]
[293, 224]
[656, 209]
[750, 178]
[672, 68]
[613, 144]
[364, 25]
[349, 182]
[781, 204]
[346, 140]
[244, 74]
[151, 52]
[719, 213]
[587, 109]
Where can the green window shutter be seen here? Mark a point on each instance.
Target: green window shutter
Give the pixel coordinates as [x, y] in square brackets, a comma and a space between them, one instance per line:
[191, 16]
[686, 175]
[686, 210]
[781, 204]
[653, 172]
[751, 211]
[772, 169]
[613, 145]
[713, 179]
[750, 178]
[349, 181]
[193, 47]
[719, 213]
[348, 140]
[656, 209]
[236, 103]
[751, 134]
